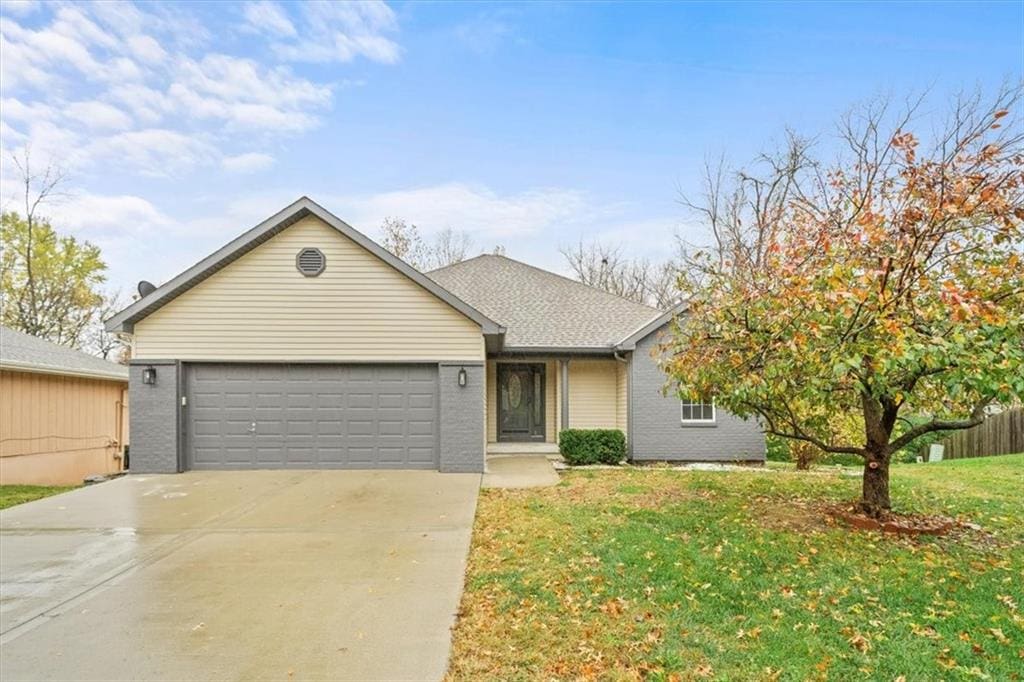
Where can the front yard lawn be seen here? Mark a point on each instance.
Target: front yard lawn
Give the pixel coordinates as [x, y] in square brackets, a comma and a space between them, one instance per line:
[660, 574]
[11, 495]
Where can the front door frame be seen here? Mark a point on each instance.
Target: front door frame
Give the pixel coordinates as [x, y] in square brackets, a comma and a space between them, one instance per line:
[537, 431]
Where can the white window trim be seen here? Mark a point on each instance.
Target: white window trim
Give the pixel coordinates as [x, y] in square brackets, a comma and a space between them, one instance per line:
[714, 413]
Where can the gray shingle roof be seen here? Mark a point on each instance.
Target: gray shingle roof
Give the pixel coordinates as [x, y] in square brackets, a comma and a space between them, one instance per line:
[542, 309]
[20, 351]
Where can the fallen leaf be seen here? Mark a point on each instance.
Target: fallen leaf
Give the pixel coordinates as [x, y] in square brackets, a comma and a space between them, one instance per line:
[859, 642]
[703, 670]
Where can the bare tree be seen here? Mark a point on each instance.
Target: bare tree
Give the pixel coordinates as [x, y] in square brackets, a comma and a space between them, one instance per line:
[403, 239]
[663, 285]
[108, 345]
[37, 189]
[450, 247]
[742, 208]
[605, 267]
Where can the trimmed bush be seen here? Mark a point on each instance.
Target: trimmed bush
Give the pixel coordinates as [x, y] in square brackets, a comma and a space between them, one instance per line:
[592, 446]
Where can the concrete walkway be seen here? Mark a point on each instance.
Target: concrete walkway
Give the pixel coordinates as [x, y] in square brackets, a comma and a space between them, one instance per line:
[237, 576]
[519, 471]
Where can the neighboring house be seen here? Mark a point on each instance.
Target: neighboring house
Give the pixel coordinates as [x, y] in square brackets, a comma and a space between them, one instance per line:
[304, 344]
[62, 412]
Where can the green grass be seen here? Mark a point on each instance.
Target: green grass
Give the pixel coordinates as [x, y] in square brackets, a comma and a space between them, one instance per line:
[11, 495]
[671, 575]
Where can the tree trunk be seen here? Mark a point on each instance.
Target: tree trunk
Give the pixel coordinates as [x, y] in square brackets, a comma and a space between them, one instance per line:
[803, 454]
[875, 491]
[879, 419]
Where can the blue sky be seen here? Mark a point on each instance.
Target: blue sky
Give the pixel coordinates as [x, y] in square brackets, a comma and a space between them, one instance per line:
[526, 125]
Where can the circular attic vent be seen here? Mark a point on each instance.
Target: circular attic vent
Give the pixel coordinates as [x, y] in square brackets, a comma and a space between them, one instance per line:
[310, 262]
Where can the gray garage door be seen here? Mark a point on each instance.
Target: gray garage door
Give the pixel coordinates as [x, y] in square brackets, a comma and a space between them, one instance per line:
[311, 416]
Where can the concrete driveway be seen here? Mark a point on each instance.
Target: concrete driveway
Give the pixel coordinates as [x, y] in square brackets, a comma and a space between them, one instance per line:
[236, 576]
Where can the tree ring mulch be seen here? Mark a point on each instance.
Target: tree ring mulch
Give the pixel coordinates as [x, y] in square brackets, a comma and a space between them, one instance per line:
[900, 524]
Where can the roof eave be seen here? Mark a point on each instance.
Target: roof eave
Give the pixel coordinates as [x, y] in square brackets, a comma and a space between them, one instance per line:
[646, 329]
[559, 350]
[31, 368]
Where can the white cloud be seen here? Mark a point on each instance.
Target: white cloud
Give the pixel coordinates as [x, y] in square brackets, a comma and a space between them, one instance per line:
[147, 104]
[16, 110]
[51, 143]
[94, 215]
[10, 137]
[146, 49]
[251, 162]
[98, 115]
[247, 95]
[95, 83]
[19, 67]
[156, 152]
[471, 208]
[338, 32]
[268, 17]
[20, 7]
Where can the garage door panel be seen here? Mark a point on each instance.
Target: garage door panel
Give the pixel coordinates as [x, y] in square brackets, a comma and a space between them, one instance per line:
[390, 400]
[421, 400]
[310, 416]
[392, 455]
[329, 427]
[360, 401]
[421, 428]
[330, 401]
[421, 455]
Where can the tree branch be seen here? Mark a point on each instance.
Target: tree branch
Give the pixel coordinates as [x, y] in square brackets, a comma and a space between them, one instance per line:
[977, 416]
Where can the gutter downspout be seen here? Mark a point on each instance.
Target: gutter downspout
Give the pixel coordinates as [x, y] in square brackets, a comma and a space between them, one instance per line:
[629, 402]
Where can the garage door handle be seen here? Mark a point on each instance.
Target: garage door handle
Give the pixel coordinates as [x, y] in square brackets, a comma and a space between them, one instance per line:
[252, 428]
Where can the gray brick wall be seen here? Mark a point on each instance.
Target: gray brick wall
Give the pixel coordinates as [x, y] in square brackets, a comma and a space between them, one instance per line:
[462, 418]
[153, 418]
[656, 432]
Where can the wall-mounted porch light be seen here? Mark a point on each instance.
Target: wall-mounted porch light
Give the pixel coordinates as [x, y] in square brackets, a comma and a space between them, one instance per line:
[149, 376]
[462, 377]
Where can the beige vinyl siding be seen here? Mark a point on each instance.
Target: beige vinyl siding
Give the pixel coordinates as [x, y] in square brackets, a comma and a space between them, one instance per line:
[621, 396]
[260, 308]
[593, 391]
[550, 399]
[56, 430]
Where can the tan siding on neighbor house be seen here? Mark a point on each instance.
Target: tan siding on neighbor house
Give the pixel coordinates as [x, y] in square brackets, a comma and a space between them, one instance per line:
[260, 308]
[56, 430]
[593, 391]
[621, 396]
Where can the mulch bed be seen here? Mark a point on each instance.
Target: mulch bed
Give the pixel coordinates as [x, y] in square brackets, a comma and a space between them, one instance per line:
[900, 524]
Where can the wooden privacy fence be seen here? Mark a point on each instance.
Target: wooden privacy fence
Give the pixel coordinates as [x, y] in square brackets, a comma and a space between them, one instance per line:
[1000, 434]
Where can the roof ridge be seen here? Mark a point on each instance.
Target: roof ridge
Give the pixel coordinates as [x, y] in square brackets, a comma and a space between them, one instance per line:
[560, 276]
[453, 265]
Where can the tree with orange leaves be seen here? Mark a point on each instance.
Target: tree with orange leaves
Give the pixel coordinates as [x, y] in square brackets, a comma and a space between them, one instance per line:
[886, 288]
